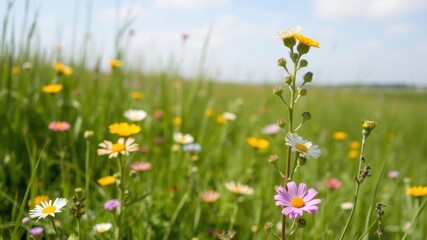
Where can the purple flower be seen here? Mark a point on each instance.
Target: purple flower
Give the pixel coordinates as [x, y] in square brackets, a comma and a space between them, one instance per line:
[271, 129]
[192, 147]
[393, 174]
[111, 204]
[295, 200]
[36, 232]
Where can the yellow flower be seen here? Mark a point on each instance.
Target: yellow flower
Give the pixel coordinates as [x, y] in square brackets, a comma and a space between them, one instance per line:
[209, 112]
[61, 69]
[15, 70]
[306, 41]
[340, 136]
[52, 88]
[353, 154]
[417, 191]
[221, 119]
[115, 63]
[354, 145]
[258, 143]
[137, 95]
[176, 121]
[239, 188]
[124, 129]
[37, 200]
[105, 181]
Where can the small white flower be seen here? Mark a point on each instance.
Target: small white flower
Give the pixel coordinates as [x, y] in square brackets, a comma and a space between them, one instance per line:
[303, 147]
[48, 209]
[103, 227]
[346, 205]
[183, 139]
[239, 188]
[229, 116]
[289, 32]
[123, 147]
[135, 115]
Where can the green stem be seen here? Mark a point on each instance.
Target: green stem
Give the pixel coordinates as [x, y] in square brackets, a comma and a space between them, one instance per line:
[122, 196]
[175, 215]
[415, 218]
[367, 230]
[87, 173]
[233, 217]
[356, 194]
[54, 227]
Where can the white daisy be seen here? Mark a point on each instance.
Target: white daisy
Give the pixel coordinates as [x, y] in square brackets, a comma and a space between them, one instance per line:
[239, 188]
[183, 139]
[103, 227]
[135, 115]
[48, 209]
[289, 32]
[122, 146]
[303, 147]
[229, 116]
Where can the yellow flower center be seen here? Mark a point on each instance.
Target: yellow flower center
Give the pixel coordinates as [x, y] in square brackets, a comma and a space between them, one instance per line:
[301, 147]
[102, 229]
[118, 147]
[49, 210]
[297, 202]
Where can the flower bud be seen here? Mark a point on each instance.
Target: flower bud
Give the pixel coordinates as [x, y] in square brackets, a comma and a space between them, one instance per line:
[294, 56]
[367, 127]
[302, 161]
[281, 62]
[308, 77]
[278, 90]
[268, 225]
[281, 122]
[302, 48]
[303, 63]
[289, 42]
[302, 91]
[306, 116]
[88, 134]
[301, 222]
[288, 80]
[273, 158]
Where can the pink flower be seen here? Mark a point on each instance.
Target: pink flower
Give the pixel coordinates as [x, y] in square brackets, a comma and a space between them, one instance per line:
[140, 166]
[111, 204]
[295, 200]
[333, 183]
[184, 36]
[271, 129]
[59, 126]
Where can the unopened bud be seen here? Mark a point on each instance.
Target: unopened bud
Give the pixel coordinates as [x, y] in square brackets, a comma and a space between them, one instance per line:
[302, 161]
[288, 80]
[294, 56]
[306, 116]
[88, 134]
[273, 158]
[303, 91]
[278, 90]
[367, 127]
[303, 63]
[301, 222]
[268, 225]
[289, 42]
[281, 62]
[308, 77]
[281, 122]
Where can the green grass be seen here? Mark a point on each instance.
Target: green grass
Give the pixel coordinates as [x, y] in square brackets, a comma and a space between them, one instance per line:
[163, 203]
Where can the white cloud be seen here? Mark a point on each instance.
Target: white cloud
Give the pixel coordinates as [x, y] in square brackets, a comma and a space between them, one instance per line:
[402, 29]
[369, 9]
[190, 4]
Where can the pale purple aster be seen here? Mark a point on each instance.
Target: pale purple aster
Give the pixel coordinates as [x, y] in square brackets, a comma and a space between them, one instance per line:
[36, 231]
[192, 147]
[393, 174]
[295, 200]
[271, 129]
[111, 204]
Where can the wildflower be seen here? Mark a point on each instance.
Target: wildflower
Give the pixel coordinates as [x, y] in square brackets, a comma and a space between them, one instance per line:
[61, 69]
[346, 205]
[102, 227]
[192, 147]
[48, 209]
[37, 200]
[124, 129]
[115, 63]
[333, 183]
[367, 127]
[183, 139]
[417, 191]
[59, 126]
[353, 154]
[295, 200]
[288, 33]
[305, 148]
[271, 129]
[36, 231]
[220, 119]
[354, 144]
[258, 143]
[210, 196]
[229, 116]
[88, 134]
[25, 220]
[239, 188]
[137, 95]
[123, 147]
[306, 41]
[176, 121]
[111, 204]
[108, 180]
[393, 174]
[15, 70]
[340, 136]
[140, 166]
[52, 88]
[184, 36]
[209, 112]
[135, 115]
[158, 114]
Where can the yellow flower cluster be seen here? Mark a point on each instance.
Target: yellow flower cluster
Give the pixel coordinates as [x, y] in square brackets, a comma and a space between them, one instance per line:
[61, 69]
[258, 143]
[124, 129]
[52, 88]
[417, 191]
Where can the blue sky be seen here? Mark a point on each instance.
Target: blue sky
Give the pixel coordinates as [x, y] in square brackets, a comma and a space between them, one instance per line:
[361, 41]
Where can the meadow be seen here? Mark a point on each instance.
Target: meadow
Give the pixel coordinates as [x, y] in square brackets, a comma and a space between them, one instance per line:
[177, 186]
